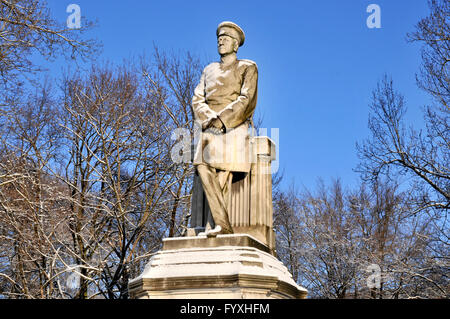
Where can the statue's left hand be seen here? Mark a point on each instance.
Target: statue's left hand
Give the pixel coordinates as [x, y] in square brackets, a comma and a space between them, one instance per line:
[212, 123]
[216, 123]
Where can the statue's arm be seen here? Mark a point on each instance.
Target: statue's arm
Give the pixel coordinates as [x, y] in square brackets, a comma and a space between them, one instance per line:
[237, 112]
[202, 111]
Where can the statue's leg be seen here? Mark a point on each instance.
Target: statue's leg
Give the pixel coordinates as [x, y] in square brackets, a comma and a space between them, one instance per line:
[213, 191]
[225, 180]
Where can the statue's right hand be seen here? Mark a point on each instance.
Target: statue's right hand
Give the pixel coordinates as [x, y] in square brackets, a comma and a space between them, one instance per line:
[206, 124]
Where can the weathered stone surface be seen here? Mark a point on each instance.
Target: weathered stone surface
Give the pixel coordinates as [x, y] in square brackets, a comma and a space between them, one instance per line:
[219, 241]
[223, 105]
[232, 197]
[220, 267]
[250, 208]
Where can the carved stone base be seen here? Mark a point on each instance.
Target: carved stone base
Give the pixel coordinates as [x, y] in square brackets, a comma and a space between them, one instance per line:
[226, 266]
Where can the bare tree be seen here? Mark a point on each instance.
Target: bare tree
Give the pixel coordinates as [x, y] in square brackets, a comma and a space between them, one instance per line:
[287, 224]
[434, 32]
[120, 125]
[88, 187]
[31, 213]
[395, 240]
[174, 81]
[332, 239]
[422, 156]
[27, 27]
[330, 260]
[393, 148]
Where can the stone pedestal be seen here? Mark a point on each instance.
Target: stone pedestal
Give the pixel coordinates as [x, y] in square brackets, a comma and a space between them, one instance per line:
[227, 267]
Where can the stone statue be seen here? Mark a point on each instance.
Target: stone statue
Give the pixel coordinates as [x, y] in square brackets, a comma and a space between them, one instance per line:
[223, 103]
[235, 256]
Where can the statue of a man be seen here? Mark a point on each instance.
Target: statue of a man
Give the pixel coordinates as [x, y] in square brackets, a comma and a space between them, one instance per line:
[223, 103]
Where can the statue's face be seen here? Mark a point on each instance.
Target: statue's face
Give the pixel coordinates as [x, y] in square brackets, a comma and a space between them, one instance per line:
[226, 45]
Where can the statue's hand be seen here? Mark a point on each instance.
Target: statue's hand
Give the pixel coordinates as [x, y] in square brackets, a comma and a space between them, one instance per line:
[216, 123]
[207, 124]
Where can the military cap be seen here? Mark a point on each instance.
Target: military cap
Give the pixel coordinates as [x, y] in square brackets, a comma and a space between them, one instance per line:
[231, 29]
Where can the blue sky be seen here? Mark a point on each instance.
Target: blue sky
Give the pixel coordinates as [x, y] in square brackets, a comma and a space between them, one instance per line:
[318, 64]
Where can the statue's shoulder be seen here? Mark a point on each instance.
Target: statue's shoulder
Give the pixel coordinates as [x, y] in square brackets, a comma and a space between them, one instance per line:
[211, 66]
[247, 63]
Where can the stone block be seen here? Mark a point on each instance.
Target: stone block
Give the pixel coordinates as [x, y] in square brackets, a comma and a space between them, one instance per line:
[222, 267]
